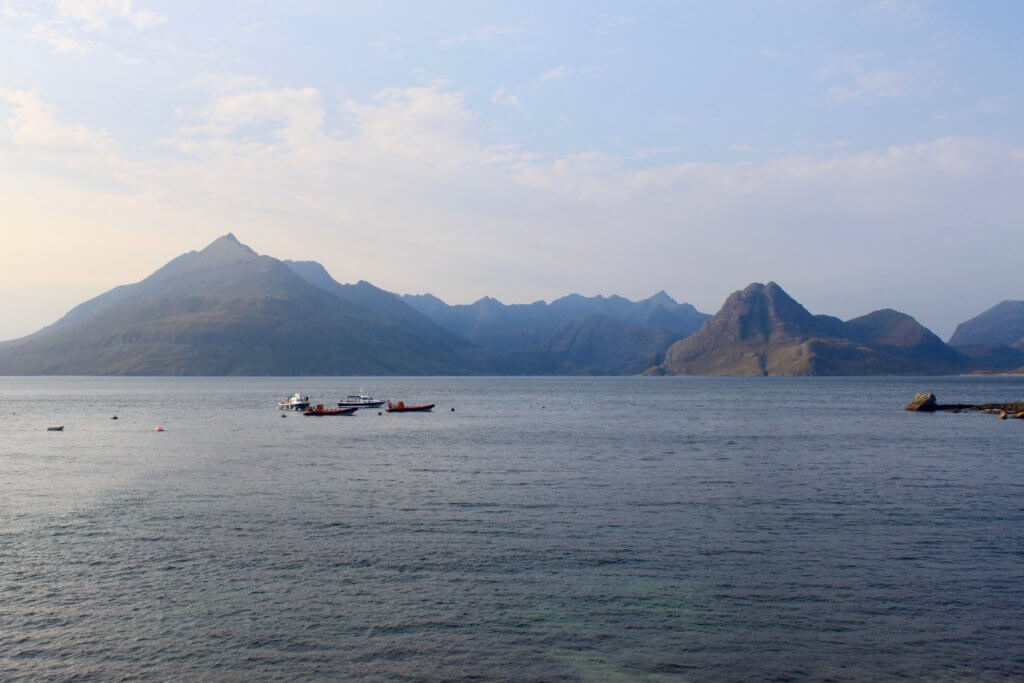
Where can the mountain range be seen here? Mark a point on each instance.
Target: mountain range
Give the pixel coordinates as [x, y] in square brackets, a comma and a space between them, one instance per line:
[593, 335]
[226, 310]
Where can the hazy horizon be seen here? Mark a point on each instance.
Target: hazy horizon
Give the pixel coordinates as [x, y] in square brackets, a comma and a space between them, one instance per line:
[863, 155]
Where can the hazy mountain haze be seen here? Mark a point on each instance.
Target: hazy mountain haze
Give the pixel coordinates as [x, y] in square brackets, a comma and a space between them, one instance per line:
[866, 154]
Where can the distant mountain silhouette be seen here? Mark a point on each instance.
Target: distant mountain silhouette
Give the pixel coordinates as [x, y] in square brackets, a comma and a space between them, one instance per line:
[601, 344]
[600, 335]
[994, 340]
[761, 330]
[1003, 324]
[900, 337]
[376, 300]
[226, 310]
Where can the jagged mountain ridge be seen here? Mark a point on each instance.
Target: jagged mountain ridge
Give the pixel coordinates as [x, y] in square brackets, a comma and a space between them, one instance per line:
[373, 298]
[510, 327]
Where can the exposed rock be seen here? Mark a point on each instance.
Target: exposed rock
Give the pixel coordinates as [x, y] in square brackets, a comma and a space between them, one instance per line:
[926, 402]
[923, 402]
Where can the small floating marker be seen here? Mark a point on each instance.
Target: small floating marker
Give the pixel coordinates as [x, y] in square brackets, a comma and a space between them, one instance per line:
[283, 415]
[114, 418]
[453, 410]
[159, 429]
[58, 428]
[379, 413]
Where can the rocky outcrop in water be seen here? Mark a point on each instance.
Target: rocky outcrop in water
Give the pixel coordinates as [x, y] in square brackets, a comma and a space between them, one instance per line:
[925, 402]
[922, 403]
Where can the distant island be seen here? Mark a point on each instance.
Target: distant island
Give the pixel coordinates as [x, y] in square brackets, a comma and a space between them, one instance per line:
[226, 310]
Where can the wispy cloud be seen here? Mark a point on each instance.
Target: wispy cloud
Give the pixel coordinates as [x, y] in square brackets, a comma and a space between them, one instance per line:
[503, 97]
[225, 83]
[297, 115]
[57, 37]
[96, 14]
[75, 25]
[556, 73]
[655, 152]
[481, 34]
[853, 78]
[33, 122]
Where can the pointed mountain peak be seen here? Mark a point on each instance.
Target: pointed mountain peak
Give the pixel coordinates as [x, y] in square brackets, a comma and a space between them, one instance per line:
[228, 241]
[764, 312]
[662, 297]
[226, 249]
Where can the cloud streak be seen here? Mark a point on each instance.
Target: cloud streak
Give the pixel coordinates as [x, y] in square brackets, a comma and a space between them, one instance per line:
[481, 34]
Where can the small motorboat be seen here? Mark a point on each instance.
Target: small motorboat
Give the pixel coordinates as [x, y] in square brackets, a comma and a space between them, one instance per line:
[400, 407]
[58, 428]
[320, 410]
[360, 400]
[296, 402]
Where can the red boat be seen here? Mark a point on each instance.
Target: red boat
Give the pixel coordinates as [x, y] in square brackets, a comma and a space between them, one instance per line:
[320, 410]
[400, 407]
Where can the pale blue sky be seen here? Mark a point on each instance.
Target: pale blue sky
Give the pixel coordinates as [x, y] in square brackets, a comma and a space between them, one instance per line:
[862, 154]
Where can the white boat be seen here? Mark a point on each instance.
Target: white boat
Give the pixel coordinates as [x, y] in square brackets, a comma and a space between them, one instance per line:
[360, 400]
[296, 402]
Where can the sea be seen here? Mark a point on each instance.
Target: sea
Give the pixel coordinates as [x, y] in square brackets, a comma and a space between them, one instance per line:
[534, 528]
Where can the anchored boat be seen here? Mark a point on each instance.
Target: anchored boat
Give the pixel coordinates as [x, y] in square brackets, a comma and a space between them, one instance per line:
[296, 402]
[320, 410]
[360, 400]
[400, 407]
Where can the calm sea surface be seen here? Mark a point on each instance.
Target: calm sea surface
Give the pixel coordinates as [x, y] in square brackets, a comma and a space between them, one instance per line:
[577, 528]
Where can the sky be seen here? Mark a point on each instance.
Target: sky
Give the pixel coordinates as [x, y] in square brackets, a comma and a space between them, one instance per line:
[863, 155]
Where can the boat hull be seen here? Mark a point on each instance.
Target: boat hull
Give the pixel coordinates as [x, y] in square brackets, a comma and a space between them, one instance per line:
[320, 411]
[360, 404]
[410, 409]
